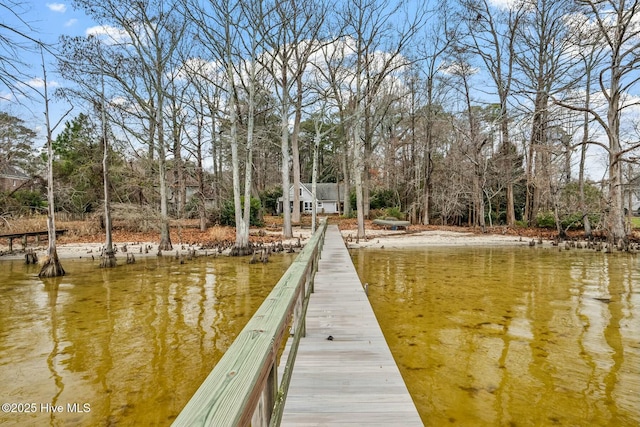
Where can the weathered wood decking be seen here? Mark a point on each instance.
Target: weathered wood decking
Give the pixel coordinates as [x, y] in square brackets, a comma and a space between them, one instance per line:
[353, 378]
[25, 235]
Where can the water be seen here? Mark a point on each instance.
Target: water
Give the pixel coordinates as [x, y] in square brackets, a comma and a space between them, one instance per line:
[511, 336]
[482, 336]
[126, 346]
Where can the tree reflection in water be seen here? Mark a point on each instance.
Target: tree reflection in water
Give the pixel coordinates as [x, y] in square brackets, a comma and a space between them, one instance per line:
[134, 342]
[493, 336]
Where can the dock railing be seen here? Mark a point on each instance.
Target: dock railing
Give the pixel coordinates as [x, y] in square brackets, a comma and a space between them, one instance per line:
[243, 387]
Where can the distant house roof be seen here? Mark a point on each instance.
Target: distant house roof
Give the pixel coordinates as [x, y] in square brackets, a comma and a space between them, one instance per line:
[326, 190]
[7, 171]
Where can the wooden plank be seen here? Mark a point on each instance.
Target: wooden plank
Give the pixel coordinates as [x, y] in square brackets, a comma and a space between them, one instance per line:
[23, 236]
[32, 233]
[351, 379]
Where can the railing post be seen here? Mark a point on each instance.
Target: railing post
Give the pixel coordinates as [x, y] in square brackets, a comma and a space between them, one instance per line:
[262, 414]
[297, 312]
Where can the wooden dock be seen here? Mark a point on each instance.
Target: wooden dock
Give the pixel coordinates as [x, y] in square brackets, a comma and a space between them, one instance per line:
[25, 235]
[344, 374]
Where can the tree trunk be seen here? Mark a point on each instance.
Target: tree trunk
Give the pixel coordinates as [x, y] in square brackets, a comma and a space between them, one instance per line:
[165, 237]
[314, 179]
[295, 153]
[357, 174]
[287, 231]
[615, 218]
[51, 266]
[346, 191]
[202, 211]
[108, 256]
[248, 168]
[508, 164]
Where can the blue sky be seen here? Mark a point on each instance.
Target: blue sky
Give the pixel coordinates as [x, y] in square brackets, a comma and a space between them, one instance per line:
[44, 21]
[47, 21]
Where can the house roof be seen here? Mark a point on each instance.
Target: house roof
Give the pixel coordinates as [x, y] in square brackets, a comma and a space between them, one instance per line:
[7, 171]
[326, 190]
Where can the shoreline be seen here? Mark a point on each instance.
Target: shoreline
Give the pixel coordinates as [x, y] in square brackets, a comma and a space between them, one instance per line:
[376, 239]
[428, 238]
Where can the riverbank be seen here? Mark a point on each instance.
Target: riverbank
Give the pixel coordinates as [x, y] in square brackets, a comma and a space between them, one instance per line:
[402, 239]
[78, 243]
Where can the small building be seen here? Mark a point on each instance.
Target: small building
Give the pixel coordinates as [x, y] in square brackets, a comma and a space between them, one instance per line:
[12, 179]
[328, 199]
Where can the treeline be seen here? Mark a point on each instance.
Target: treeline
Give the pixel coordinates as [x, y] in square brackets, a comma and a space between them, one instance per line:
[452, 112]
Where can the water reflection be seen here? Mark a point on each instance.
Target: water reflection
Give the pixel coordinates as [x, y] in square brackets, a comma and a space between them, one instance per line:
[134, 343]
[511, 336]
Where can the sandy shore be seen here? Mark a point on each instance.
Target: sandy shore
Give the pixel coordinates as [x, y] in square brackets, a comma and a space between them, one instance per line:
[375, 239]
[396, 239]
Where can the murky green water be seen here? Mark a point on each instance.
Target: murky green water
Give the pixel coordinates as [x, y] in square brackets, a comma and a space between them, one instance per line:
[511, 336]
[129, 346]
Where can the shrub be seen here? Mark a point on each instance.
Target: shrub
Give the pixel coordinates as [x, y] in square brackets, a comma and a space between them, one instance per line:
[22, 202]
[575, 220]
[545, 220]
[270, 199]
[394, 212]
[228, 214]
[383, 198]
[192, 208]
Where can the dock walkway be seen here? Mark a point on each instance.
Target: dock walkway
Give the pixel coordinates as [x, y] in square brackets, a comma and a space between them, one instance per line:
[344, 373]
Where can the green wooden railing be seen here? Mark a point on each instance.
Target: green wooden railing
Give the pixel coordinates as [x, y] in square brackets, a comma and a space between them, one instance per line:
[243, 387]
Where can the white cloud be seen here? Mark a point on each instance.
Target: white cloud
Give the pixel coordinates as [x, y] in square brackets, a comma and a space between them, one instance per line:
[38, 83]
[71, 22]
[108, 33]
[57, 7]
[503, 4]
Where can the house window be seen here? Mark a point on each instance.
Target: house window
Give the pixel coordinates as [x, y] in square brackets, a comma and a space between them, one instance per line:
[319, 204]
[300, 191]
[307, 206]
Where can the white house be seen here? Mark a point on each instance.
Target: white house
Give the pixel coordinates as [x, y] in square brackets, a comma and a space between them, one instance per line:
[328, 197]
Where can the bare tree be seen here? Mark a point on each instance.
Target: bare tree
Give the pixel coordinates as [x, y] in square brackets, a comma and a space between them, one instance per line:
[475, 145]
[331, 76]
[290, 34]
[490, 34]
[81, 61]
[108, 256]
[377, 47]
[616, 24]
[142, 51]
[590, 58]
[195, 72]
[543, 67]
[431, 53]
[221, 28]
[51, 266]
